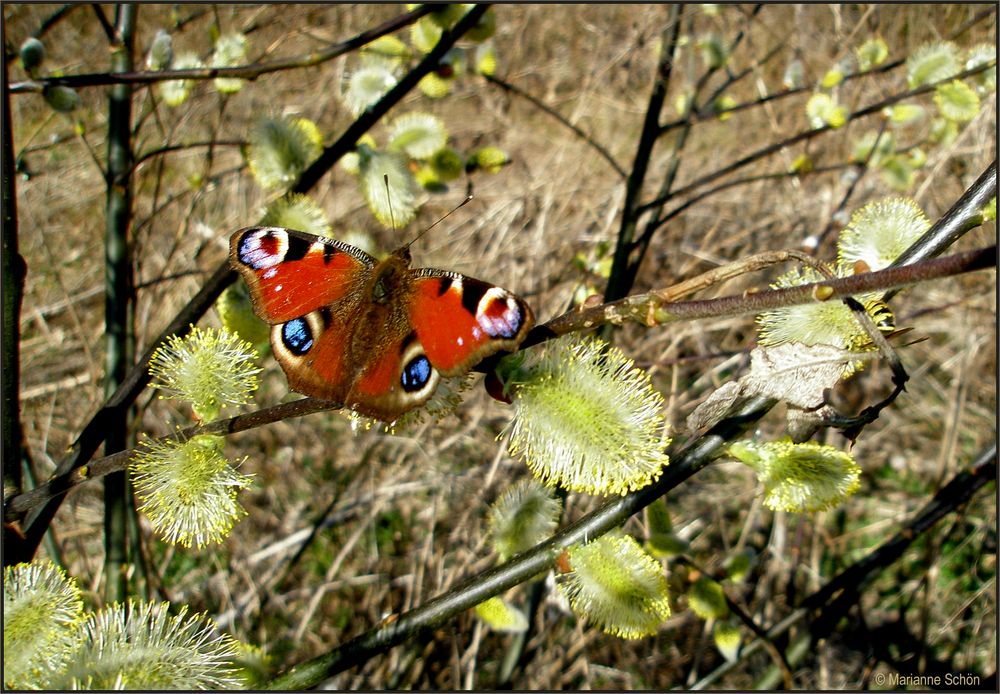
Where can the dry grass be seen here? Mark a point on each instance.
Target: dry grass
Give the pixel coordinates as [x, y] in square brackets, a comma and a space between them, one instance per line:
[410, 507]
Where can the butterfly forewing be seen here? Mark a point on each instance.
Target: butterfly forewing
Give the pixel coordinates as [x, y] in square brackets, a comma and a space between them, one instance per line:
[291, 273]
[461, 320]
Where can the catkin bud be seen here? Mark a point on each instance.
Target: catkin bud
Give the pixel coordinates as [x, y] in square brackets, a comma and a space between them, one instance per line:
[63, 99]
[32, 55]
[161, 53]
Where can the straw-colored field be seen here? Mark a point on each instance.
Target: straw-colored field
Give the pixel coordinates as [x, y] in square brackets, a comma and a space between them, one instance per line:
[403, 515]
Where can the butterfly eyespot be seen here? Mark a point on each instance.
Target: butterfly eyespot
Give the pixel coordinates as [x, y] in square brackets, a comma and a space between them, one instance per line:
[416, 374]
[263, 248]
[498, 314]
[297, 336]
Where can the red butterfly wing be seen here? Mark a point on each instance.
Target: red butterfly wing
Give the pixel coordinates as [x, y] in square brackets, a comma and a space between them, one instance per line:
[310, 350]
[291, 273]
[461, 320]
[397, 378]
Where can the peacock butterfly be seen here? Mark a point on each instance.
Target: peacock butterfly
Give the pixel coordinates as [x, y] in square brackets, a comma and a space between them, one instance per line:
[373, 335]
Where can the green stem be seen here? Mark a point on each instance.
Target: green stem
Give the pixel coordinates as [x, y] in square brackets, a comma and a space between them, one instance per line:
[118, 291]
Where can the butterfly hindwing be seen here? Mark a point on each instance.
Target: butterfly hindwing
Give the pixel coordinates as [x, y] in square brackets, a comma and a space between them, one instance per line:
[398, 379]
[291, 273]
[312, 356]
[461, 320]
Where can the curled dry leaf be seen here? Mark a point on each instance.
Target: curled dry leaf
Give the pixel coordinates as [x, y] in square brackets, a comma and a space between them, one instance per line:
[793, 372]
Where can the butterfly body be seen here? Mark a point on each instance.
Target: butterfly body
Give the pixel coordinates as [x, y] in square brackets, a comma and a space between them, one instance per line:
[373, 335]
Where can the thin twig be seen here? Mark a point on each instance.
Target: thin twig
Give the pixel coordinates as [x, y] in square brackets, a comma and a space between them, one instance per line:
[732, 183]
[542, 106]
[249, 72]
[166, 149]
[709, 114]
[768, 150]
[638, 250]
[618, 282]
[862, 169]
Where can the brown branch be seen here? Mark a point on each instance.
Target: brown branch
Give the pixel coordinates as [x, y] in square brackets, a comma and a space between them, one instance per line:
[833, 599]
[19, 506]
[708, 113]
[249, 72]
[166, 149]
[657, 307]
[651, 306]
[542, 106]
[620, 282]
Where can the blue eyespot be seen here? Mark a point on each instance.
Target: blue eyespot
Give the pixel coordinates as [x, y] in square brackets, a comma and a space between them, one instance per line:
[297, 336]
[416, 374]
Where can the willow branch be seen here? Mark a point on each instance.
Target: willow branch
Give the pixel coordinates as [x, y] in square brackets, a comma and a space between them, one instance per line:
[346, 142]
[119, 281]
[808, 135]
[24, 504]
[964, 215]
[653, 306]
[12, 274]
[656, 308]
[248, 72]
[618, 282]
[95, 431]
[708, 113]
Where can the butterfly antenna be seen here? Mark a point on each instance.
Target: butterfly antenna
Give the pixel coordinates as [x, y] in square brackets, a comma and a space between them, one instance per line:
[468, 198]
[388, 199]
